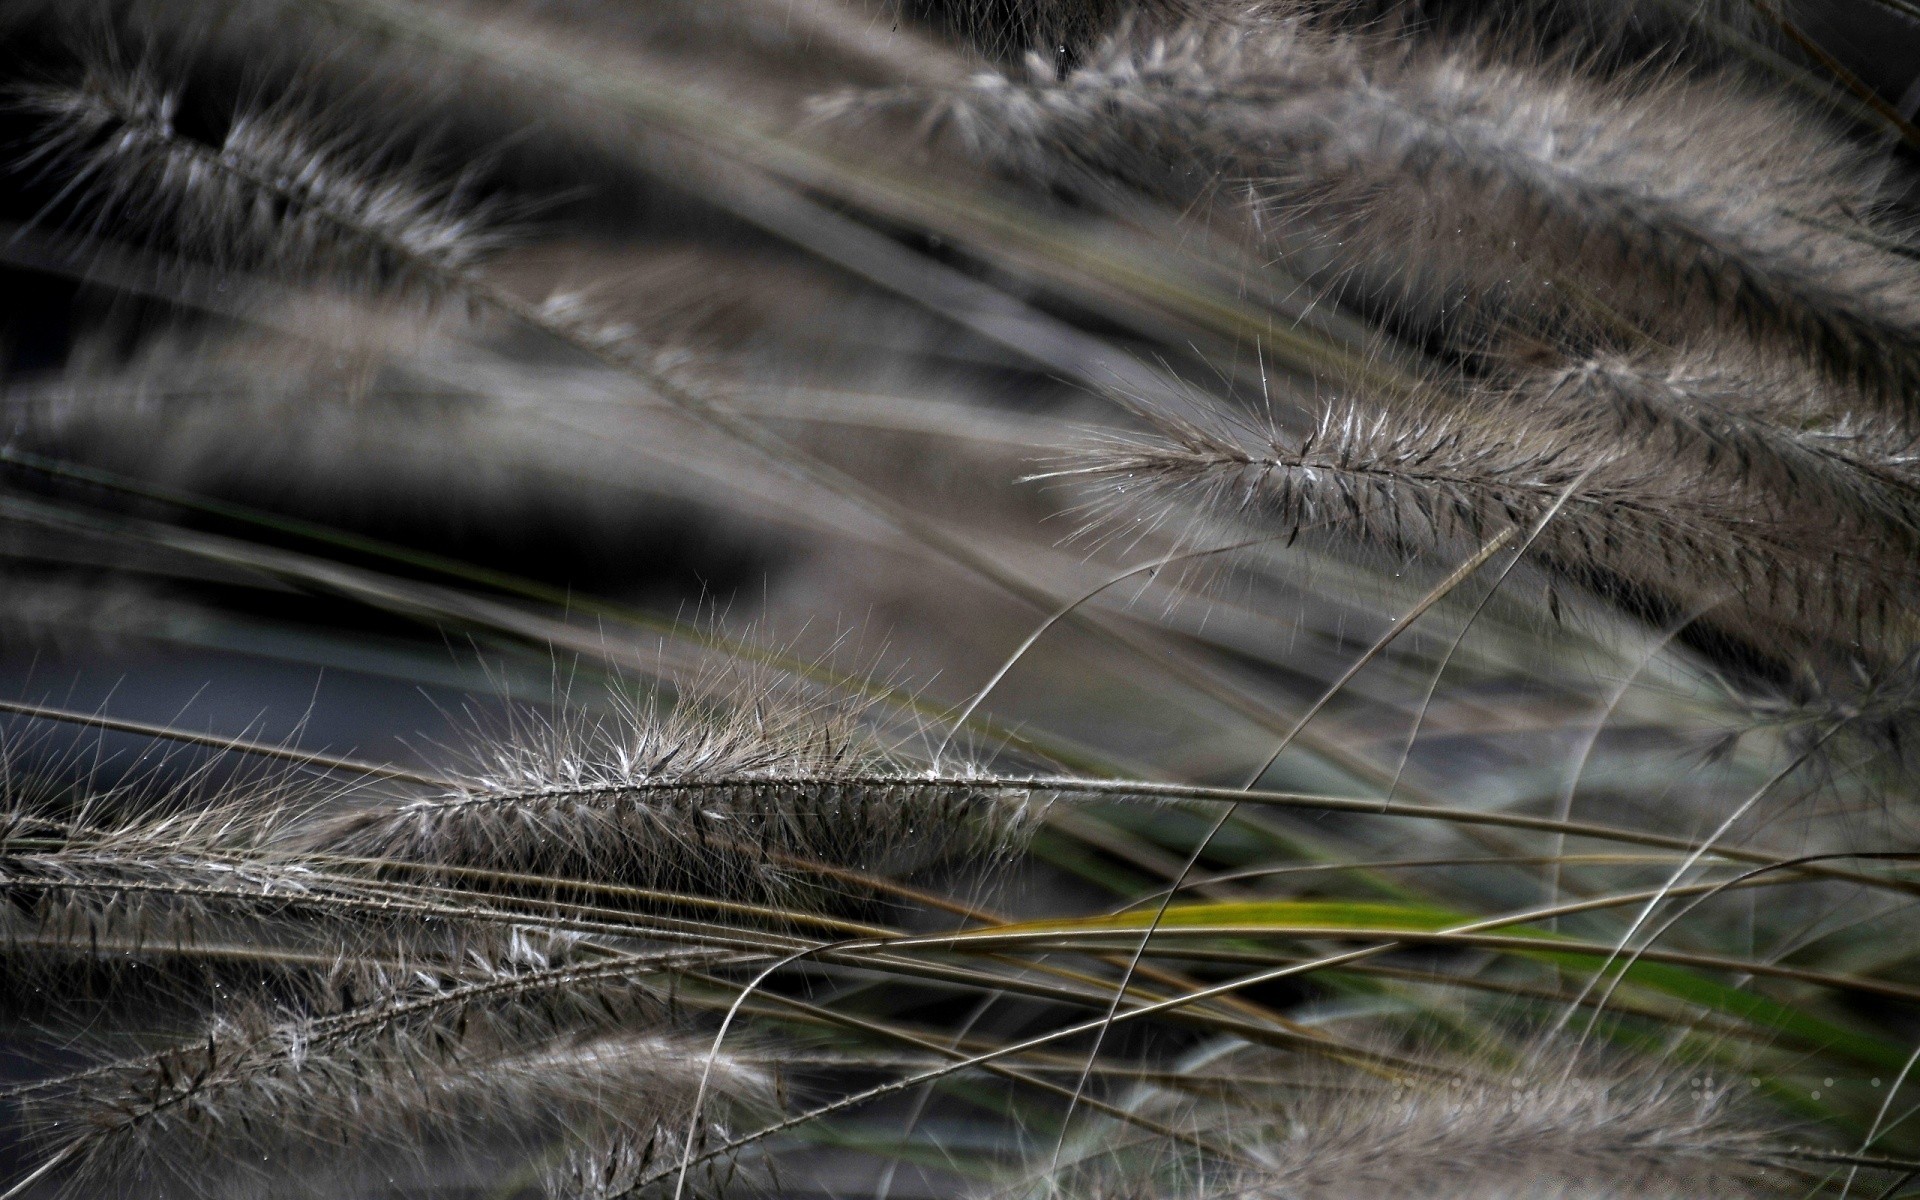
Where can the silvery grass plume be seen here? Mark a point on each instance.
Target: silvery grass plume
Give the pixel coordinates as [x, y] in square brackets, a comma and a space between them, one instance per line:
[125, 910]
[407, 1088]
[278, 194]
[1541, 1119]
[1775, 432]
[1464, 193]
[744, 790]
[1605, 515]
[1542, 1133]
[193, 897]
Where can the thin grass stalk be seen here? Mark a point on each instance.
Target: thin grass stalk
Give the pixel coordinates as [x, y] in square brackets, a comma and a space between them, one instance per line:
[1024, 1077]
[1438, 593]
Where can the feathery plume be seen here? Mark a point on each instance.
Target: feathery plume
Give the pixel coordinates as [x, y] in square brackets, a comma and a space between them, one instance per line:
[117, 882]
[1627, 525]
[278, 193]
[742, 792]
[1544, 1134]
[268, 1099]
[1468, 191]
[1771, 431]
[117, 907]
[1536, 1119]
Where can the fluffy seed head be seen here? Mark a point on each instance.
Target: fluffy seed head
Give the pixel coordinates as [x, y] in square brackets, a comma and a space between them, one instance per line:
[267, 1101]
[1591, 1137]
[1536, 1120]
[1469, 194]
[1778, 434]
[278, 194]
[744, 793]
[1622, 523]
